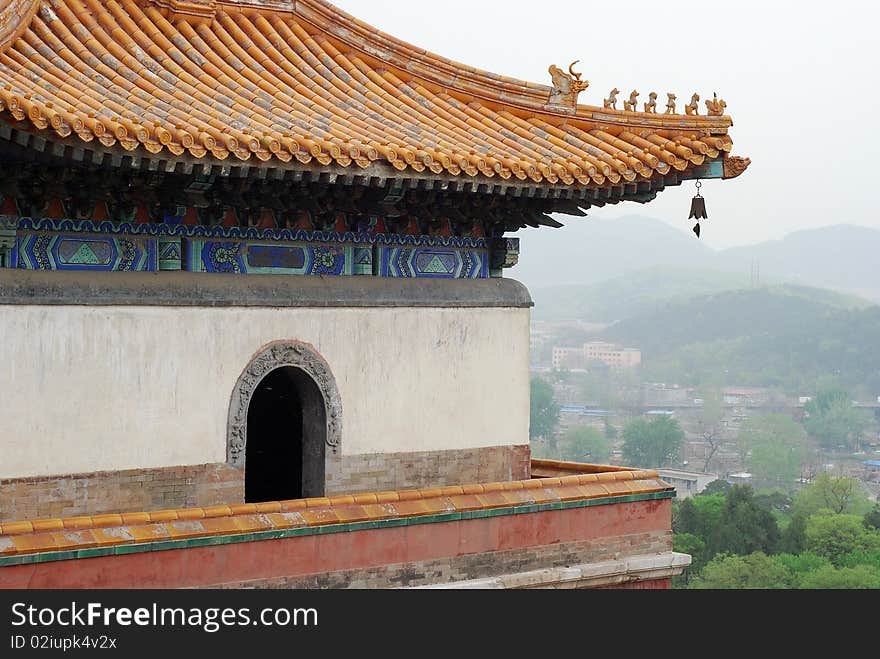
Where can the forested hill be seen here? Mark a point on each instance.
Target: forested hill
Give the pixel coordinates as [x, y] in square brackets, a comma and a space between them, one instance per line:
[643, 291]
[783, 336]
[772, 311]
[654, 289]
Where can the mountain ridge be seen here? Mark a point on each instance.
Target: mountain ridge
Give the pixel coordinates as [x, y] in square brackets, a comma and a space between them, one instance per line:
[839, 257]
[653, 289]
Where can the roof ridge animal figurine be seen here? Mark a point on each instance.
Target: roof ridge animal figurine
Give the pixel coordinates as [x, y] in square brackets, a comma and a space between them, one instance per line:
[670, 104]
[566, 86]
[715, 107]
[632, 104]
[611, 101]
[651, 105]
[694, 107]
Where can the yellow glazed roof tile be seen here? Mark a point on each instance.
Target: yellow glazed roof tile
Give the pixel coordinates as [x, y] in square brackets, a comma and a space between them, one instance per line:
[305, 83]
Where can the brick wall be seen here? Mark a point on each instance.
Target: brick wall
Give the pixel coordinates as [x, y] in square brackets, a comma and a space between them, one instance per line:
[120, 491]
[216, 484]
[400, 471]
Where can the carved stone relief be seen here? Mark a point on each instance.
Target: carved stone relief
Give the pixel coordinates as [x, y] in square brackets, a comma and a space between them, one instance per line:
[274, 356]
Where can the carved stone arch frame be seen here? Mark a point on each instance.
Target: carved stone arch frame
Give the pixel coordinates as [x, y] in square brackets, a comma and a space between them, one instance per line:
[273, 356]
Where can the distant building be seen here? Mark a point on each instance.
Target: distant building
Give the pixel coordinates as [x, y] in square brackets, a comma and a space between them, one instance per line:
[539, 336]
[568, 358]
[872, 469]
[745, 396]
[687, 483]
[610, 354]
[661, 395]
[613, 355]
[567, 394]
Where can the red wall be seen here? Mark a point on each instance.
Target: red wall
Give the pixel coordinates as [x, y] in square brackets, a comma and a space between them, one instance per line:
[233, 563]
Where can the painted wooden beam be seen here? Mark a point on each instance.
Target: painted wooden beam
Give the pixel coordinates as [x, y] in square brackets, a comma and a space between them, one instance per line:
[709, 169]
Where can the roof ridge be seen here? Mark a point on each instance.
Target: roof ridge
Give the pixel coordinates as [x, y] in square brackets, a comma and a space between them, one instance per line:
[422, 63]
[191, 9]
[458, 77]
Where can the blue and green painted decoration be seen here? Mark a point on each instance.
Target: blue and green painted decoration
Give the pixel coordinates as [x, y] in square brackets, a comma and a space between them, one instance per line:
[45, 244]
[34, 251]
[433, 263]
[254, 258]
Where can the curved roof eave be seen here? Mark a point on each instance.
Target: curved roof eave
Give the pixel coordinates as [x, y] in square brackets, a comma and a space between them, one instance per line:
[295, 83]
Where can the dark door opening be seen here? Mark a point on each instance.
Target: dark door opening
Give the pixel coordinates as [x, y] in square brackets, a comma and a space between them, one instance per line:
[286, 430]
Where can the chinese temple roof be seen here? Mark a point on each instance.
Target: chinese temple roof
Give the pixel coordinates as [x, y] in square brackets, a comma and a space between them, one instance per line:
[294, 84]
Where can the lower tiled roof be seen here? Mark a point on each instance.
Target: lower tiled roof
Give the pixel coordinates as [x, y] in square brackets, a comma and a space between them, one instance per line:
[54, 535]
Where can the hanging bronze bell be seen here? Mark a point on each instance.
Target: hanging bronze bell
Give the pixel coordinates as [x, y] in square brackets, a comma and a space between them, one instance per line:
[698, 209]
[698, 206]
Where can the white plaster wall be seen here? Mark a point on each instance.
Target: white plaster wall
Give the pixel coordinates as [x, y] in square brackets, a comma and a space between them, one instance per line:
[107, 388]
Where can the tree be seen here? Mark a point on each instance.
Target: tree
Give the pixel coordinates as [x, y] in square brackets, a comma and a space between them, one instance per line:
[854, 558]
[744, 527]
[544, 411]
[719, 486]
[684, 518]
[698, 515]
[585, 444]
[755, 571]
[695, 546]
[711, 424]
[801, 564]
[872, 518]
[610, 430]
[839, 494]
[829, 577]
[835, 536]
[653, 443]
[832, 420]
[775, 448]
[776, 501]
[794, 537]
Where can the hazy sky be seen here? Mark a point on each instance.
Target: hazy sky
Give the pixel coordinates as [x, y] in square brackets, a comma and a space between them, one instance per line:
[799, 79]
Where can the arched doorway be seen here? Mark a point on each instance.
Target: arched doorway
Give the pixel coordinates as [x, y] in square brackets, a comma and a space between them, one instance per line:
[286, 428]
[285, 413]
